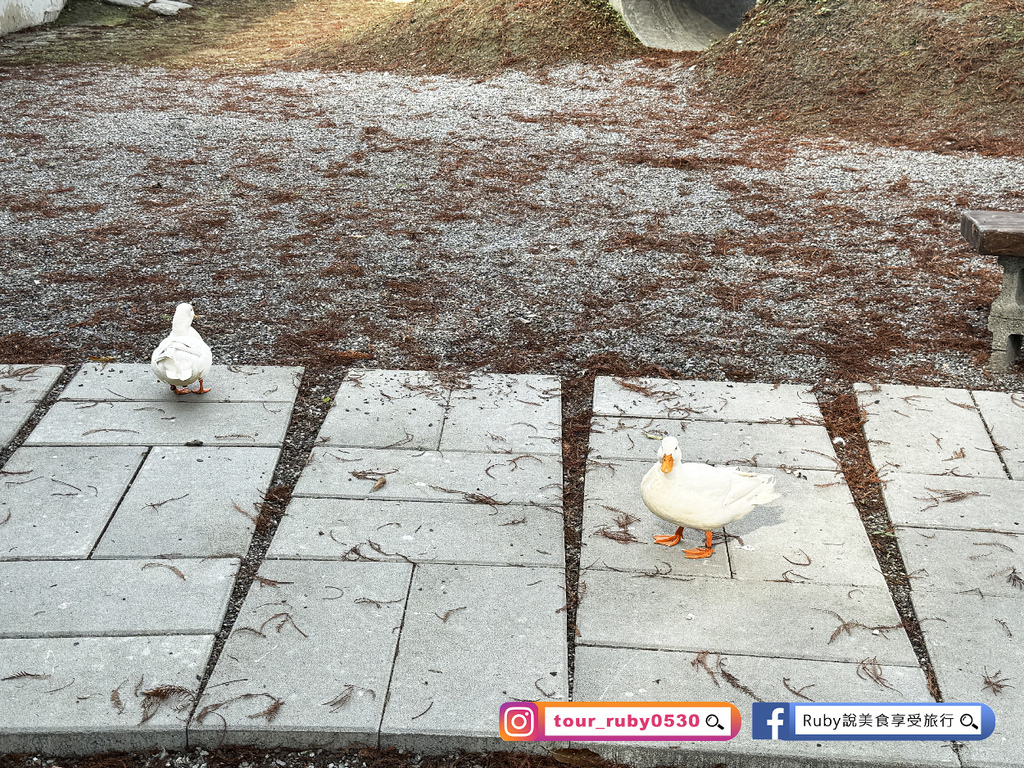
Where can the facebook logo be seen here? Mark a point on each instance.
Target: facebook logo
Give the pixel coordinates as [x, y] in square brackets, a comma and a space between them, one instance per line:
[769, 721]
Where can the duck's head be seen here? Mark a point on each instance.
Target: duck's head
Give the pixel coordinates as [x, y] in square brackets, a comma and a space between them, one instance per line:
[668, 454]
[183, 317]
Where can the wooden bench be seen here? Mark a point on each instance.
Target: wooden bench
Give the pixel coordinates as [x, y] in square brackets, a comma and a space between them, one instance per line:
[1001, 233]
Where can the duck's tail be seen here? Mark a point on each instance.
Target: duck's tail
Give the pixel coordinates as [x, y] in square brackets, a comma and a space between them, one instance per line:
[757, 489]
[174, 369]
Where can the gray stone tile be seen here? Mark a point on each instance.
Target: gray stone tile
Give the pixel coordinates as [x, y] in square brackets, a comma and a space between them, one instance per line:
[926, 430]
[432, 476]
[191, 502]
[712, 400]
[387, 409]
[431, 532]
[227, 383]
[1004, 414]
[753, 445]
[955, 502]
[78, 598]
[174, 422]
[618, 530]
[21, 384]
[500, 413]
[812, 534]
[21, 388]
[489, 413]
[88, 694]
[474, 637]
[626, 674]
[972, 639]
[958, 561]
[56, 501]
[728, 615]
[318, 637]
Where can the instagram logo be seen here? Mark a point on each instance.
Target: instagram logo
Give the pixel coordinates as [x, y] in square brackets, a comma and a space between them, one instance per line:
[518, 721]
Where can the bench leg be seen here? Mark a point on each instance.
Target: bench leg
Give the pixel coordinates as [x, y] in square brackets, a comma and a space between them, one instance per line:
[1002, 359]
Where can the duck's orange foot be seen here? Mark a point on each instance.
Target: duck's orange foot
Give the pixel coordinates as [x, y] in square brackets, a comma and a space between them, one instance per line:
[201, 391]
[700, 552]
[670, 541]
[180, 390]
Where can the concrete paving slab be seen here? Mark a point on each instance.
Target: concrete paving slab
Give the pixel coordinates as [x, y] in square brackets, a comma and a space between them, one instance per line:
[710, 400]
[174, 422]
[21, 388]
[812, 534]
[974, 645]
[78, 598]
[926, 430]
[474, 637]
[85, 695]
[191, 502]
[57, 501]
[751, 445]
[489, 413]
[959, 561]
[1004, 414]
[955, 502]
[421, 532]
[387, 409]
[96, 382]
[308, 661]
[501, 413]
[26, 383]
[432, 476]
[729, 615]
[626, 674]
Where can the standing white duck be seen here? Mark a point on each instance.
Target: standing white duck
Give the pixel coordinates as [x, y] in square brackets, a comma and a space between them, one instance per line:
[699, 495]
[183, 357]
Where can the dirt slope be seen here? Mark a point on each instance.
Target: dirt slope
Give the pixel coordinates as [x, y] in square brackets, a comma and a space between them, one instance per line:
[481, 37]
[932, 74]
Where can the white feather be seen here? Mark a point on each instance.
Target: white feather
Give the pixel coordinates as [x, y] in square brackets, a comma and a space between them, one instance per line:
[183, 357]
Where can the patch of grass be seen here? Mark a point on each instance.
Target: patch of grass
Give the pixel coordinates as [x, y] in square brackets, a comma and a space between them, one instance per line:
[457, 36]
[214, 33]
[92, 13]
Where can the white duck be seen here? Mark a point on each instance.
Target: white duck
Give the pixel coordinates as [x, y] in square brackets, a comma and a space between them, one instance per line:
[699, 495]
[183, 357]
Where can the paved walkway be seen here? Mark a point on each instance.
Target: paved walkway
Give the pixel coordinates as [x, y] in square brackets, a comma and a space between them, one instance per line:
[417, 580]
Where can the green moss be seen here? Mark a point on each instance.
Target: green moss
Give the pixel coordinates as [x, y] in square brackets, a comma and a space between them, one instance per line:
[92, 13]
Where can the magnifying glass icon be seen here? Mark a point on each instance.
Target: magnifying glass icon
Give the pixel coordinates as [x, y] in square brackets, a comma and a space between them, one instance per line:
[967, 721]
[712, 722]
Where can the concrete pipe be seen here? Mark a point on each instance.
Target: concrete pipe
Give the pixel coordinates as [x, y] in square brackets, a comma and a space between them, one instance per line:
[682, 25]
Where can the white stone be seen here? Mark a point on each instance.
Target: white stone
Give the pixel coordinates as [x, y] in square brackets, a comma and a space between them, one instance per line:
[164, 8]
[19, 14]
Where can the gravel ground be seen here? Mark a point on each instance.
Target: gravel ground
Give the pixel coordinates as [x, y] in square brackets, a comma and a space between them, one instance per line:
[522, 222]
[567, 222]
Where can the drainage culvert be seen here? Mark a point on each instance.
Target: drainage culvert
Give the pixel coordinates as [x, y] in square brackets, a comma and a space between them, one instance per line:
[682, 25]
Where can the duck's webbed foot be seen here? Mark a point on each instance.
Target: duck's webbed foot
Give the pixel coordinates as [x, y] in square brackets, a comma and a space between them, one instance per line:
[701, 552]
[672, 540]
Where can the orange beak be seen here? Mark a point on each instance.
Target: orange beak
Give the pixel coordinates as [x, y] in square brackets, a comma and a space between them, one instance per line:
[666, 463]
